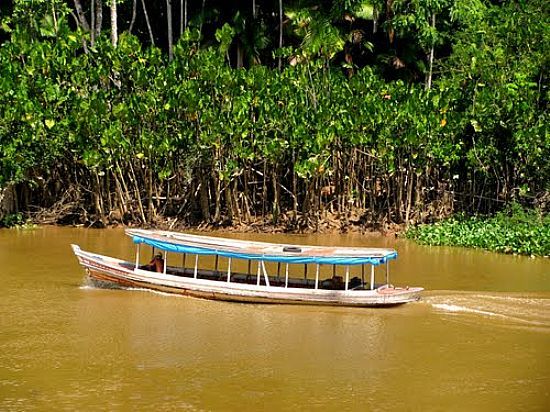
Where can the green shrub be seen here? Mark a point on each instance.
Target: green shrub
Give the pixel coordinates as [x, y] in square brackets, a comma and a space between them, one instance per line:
[514, 230]
[12, 219]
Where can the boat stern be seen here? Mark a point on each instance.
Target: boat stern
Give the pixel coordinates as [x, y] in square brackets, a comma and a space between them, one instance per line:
[391, 294]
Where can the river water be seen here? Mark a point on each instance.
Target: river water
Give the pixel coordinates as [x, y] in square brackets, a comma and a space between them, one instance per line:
[478, 340]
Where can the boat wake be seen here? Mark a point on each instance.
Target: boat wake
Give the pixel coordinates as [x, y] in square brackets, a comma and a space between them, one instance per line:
[93, 284]
[455, 308]
[517, 308]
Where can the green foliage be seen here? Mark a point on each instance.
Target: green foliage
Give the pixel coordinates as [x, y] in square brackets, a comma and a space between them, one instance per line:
[11, 220]
[129, 115]
[512, 231]
[320, 37]
[498, 67]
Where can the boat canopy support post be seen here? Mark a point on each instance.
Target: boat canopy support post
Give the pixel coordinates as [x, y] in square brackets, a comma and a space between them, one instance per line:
[137, 256]
[183, 260]
[286, 276]
[266, 278]
[229, 270]
[363, 275]
[164, 265]
[372, 277]
[388, 272]
[196, 272]
[317, 276]
[347, 277]
[258, 274]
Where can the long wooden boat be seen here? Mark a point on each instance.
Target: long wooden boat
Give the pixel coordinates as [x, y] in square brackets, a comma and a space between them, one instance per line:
[255, 284]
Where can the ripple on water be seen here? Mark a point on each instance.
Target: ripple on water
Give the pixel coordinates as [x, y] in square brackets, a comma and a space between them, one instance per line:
[509, 308]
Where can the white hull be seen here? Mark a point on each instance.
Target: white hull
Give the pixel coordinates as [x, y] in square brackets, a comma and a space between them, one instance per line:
[122, 273]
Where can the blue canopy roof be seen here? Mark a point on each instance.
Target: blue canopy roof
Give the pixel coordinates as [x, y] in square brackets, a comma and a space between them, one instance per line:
[239, 249]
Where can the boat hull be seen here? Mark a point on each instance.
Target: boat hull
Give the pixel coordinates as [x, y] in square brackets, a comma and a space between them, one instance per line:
[122, 274]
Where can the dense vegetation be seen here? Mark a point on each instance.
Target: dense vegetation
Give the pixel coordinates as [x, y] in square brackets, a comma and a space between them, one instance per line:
[511, 231]
[381, 112]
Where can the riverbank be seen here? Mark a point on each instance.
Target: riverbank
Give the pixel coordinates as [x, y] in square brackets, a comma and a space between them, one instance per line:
[513, 231]
[325, 223]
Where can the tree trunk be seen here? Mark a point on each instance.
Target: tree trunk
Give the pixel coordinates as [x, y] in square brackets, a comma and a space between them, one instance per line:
[107, 188]
[81, 15]
[54, 16]
[246, 195]
[294, 188]
[137, 193]
[185, 15]
[181, 16]
[202, 21]
[264, 189]
[204, 198]
[280, 30]
[235, 200]
[99, 18]
[83, 39]
[410, 182]
[122, 202]
[431, 60]
[92, 22]
[148, 23]
[389, 16]
[228, 200]
[149, 188]
[239, 62]
[134, 12]
[98, 200]
[8, 200]
[216, 181]
[276, 207]
[114, 26]
[170, 31]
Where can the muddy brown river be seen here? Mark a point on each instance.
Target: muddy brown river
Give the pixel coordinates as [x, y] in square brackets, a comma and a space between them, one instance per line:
[479, 340]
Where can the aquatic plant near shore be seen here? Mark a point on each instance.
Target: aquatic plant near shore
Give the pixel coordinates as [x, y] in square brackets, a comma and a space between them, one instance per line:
[12, 219]
[16, 220]
[512, 231]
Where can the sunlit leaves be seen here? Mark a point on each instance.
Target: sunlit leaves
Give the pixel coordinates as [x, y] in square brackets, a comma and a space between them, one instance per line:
[513, 231]
[131, 107]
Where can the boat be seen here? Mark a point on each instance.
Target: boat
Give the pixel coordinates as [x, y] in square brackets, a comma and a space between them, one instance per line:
[347, 283]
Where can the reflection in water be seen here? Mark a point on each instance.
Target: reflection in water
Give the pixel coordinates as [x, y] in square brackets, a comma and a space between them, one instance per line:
[477, 341]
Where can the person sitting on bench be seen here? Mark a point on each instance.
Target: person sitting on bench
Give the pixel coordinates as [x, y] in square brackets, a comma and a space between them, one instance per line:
[155, 265]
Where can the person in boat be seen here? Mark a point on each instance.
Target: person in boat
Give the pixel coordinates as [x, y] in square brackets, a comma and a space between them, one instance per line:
[334, 283]
[155, 265]
[355, 283]
[337, 283]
